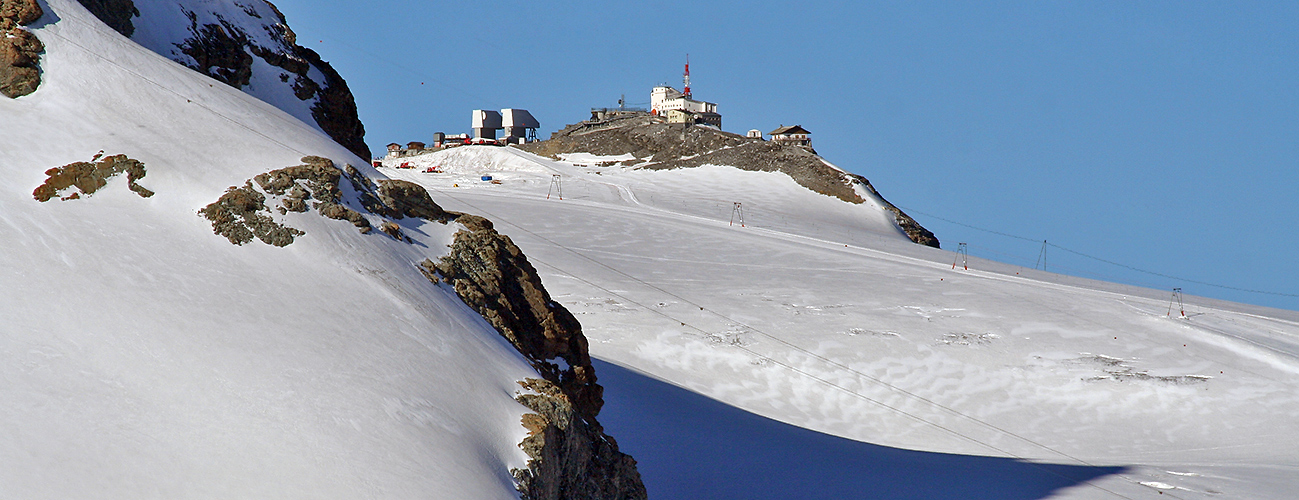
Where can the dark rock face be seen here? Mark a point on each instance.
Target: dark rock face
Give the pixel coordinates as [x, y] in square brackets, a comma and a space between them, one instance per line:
[408, 199]
[89, 177]
[218, 54]
[116, 14]
[674, 145]
[224, 50]
[20, 50]
[570, 458]
[914, 230]
[493, 277]
[570, 455]
[335, 112]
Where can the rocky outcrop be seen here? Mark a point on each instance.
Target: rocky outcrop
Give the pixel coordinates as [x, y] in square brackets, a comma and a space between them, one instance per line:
[241, 214]
[491, 274]
[913, 229]
[219, 54]
[407, 199]
[223, 41]
[89, 177]
[642, 136]
[335, 111]
[116, 14]
[20, 51]
[19, 12]
[569, 457]
[658, 145]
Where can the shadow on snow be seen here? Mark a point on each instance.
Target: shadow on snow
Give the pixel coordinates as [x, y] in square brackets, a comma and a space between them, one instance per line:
[689, 446]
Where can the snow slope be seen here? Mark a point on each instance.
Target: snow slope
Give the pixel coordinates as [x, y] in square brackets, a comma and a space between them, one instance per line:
[142, 356]
[850, 345]
[165, 25]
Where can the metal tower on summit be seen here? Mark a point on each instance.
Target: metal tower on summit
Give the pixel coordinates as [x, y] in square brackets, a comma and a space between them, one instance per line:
[680, 106]
[686, 78]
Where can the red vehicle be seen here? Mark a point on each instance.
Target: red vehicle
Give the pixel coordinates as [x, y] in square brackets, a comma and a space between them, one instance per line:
[405, 164]
[436, 169]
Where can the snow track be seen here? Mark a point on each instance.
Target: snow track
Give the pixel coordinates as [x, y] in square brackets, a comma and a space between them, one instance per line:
[762, 318]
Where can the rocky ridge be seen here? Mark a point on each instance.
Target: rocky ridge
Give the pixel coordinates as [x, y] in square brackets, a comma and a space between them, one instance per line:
[20, 50]
[223, 40]
[571, 458]
[570, 455]
[658, 145]
[242, 213]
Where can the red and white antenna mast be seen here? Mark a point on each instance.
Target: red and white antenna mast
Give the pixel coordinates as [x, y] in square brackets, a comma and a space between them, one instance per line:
[687, 77]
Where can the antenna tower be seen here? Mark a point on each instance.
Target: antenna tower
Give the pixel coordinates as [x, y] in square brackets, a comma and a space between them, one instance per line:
[687, 77]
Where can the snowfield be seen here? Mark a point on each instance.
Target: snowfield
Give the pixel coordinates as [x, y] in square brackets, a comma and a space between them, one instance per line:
[757, 340]
[142, 356]
[819, 315]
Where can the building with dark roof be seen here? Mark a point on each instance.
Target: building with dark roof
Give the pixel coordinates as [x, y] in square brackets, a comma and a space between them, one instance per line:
[793, 134]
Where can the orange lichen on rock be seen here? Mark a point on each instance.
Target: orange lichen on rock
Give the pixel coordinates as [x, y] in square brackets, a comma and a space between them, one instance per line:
[89, 177]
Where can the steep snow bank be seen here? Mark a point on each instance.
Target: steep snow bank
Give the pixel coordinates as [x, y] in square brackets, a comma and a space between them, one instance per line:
[249, 46]
[144, 356]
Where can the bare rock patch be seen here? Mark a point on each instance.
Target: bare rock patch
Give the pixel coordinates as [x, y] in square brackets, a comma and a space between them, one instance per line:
[241, 214]
[245, 212]
[20, 50]
[89, 177]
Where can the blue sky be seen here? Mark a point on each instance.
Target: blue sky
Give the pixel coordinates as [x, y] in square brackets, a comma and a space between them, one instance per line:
[1163, 136]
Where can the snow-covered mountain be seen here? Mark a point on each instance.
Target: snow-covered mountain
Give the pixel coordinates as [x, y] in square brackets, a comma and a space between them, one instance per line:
[202, 296]
[248, 45]
[850, 361]
[199, 298]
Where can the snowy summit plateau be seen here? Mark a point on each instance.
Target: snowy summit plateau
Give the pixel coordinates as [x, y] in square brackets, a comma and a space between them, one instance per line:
[208, 289]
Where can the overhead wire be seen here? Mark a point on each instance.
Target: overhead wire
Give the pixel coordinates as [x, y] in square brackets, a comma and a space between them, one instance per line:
[1102, 260]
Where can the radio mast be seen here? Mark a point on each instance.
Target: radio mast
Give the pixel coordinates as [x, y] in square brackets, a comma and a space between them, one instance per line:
[687, 77]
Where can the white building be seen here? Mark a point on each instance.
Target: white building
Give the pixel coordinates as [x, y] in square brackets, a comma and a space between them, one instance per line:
[670, 103]
[519, 125]
[485, 124]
